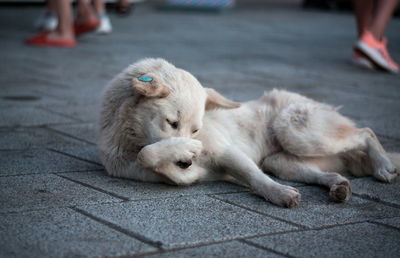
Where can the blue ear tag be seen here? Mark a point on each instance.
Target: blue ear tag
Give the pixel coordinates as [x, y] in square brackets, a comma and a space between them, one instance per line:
[145, 79]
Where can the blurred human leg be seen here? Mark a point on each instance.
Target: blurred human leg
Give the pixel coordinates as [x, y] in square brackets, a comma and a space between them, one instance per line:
[86, 18]
[383, 13]
[48, 20]
[105, 24]
[364, 12]
[372, 20]
[63, 35]
[123, 7]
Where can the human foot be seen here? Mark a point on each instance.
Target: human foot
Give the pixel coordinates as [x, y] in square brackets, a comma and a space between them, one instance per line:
[51, 39]
[377, 52]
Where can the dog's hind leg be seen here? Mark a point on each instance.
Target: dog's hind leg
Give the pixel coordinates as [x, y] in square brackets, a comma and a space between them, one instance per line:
[290, 167]
[316, 130]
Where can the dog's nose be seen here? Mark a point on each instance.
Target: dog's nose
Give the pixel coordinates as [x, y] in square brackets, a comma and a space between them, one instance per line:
[184, 164]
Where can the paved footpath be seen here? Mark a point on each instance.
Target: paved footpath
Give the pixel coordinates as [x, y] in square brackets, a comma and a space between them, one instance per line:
[56, 200]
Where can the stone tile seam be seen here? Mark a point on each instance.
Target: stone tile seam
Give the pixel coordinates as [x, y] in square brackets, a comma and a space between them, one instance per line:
[200, 244]
[376, 199]
[141, 199]
[69, 135]
[122, 198]
[58, 207]
[384, 225]
[31, 210]
[197, 245]
[74, 157]
[57, 113]
[52, 173]
[173, 249]
[60, 114]
[301, 227]
[137, 236]
[265, 248]
[42, 126]
[58, 86]
[240, 239]
[308, 229]
[258, 212]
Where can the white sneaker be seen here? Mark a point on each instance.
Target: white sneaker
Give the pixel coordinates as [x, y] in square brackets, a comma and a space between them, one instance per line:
[105, 25]
[47, 21]
[360, 60]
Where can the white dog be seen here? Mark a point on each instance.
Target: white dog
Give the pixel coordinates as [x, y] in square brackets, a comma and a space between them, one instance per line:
[158, 124]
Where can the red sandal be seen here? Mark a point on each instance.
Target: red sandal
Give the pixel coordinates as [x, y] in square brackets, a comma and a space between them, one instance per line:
[42, 40]
[86, 27]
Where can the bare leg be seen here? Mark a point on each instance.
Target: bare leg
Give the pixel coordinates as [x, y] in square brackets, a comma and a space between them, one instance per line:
[123, 6]
[382, 15]
[364, 12]
[51, 6]
[85, 12]
[64, 28]
[289, 167]
[99, 6]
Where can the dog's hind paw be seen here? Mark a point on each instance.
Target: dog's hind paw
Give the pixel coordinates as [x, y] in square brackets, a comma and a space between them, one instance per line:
[386, 173]
[341, 191]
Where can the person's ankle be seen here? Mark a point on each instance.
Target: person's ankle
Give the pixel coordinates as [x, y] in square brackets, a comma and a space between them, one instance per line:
[64, 35]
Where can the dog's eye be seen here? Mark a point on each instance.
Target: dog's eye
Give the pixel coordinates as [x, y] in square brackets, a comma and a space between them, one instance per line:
[173, 124]
[195, 131]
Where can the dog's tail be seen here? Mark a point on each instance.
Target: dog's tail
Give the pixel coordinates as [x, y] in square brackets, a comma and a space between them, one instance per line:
[395, 159]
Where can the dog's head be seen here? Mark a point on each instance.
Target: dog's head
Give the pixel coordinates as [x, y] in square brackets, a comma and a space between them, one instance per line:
[169, 101]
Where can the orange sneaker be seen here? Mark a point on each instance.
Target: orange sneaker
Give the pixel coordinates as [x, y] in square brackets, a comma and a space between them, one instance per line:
[376, 52]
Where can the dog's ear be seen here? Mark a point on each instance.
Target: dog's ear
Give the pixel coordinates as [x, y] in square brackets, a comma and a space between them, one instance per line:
[149, 87]
[216, 100]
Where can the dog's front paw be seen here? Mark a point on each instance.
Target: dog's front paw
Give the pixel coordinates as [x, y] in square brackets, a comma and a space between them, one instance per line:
[341, 191]
[285, 196]
[186, 152]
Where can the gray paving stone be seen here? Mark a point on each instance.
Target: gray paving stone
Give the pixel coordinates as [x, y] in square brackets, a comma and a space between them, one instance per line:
[23, 97]
[389, 144]
[62, 233]
[86, 151]
[86, 132]
[28, 116]
[25, 138]
[186, 220]
[227, 249]
[376, 190]
[134, 190]
[33, 192]
[359, 240]
[85, 112]
[394, 222]
[384, 126]
[316, 209]
[40, 161]
[89, 94]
